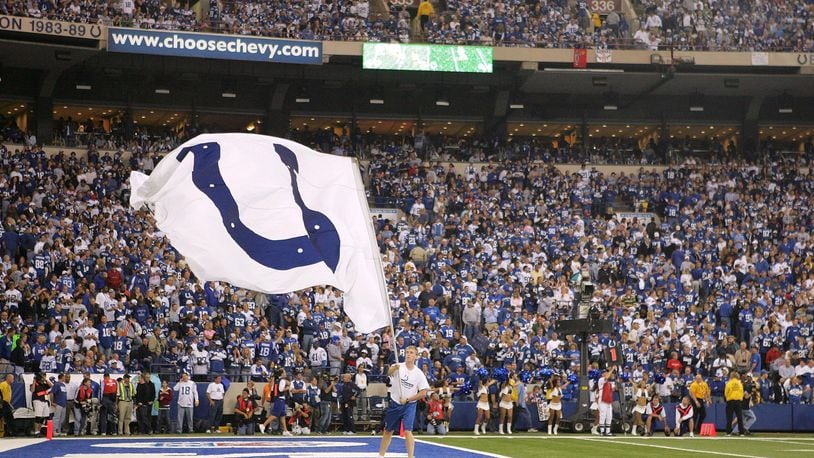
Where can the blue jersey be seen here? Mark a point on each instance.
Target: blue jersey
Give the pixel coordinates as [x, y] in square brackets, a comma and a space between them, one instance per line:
[264, 350]
[121, 345]
[106, 333]
[37, 351]
[42, 264]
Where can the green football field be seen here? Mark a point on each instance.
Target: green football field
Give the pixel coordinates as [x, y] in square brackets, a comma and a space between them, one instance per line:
[534, 445]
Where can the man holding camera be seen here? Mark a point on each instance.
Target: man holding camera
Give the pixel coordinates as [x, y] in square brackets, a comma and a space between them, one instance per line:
[244, 413]
[326, 388]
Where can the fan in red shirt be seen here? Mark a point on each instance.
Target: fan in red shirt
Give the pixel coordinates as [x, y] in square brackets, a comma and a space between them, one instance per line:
[674, 363]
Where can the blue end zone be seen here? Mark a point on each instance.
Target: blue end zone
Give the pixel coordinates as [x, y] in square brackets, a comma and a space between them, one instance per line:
[231, 447]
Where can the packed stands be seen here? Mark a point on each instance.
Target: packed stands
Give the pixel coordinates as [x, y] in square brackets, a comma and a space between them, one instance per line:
[487, 257]
[728, 25]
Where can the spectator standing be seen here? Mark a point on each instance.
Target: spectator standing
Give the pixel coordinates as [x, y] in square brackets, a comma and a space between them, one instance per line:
[215, 393]
[164, 401]
[347, 402]
[59, 397]
[734, 403]
[108, 408]
[145, 396]
[187, 401]
[425, 10]
[125, 393]
[471, 317]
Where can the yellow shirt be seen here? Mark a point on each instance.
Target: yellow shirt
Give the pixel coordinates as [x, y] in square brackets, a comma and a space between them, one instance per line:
[733, 390]
[425, 9]
[5, 391]
[699, 390]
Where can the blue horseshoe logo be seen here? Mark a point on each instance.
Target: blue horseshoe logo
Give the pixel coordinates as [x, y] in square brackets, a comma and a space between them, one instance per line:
[320, 245]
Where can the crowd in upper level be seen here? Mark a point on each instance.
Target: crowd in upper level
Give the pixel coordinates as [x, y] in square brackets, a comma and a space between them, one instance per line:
[728, 25]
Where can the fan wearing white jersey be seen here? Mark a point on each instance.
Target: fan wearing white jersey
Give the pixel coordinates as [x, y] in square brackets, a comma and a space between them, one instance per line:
[408, 384]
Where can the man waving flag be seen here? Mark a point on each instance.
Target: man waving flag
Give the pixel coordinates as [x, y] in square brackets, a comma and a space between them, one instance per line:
[270, 215]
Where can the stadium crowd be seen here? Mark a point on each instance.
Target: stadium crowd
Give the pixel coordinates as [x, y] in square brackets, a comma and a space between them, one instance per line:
[482, 265]
[728, 25]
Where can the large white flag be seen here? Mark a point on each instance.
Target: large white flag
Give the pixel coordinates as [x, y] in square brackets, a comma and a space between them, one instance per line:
[270, 215]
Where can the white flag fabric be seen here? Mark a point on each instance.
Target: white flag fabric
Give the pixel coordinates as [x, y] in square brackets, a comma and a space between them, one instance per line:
[271, 215]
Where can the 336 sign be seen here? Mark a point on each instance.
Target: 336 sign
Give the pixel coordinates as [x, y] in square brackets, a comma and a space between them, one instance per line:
[605, 6]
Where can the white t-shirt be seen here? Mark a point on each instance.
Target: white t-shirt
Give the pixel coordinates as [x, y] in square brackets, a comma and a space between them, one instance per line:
[412, 381]
[215, 391]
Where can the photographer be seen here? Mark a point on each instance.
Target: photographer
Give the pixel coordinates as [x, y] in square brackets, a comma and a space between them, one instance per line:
[326, 387]
[244, 413]
[82, 407]
[436, 422]
[42, 408]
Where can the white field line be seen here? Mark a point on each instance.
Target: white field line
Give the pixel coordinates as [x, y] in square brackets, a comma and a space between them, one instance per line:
[708, 452]
[460, 449]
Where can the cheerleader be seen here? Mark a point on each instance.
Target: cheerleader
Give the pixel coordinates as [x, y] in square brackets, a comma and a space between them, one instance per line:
[640, 395]
[554, 397]
[482, 408]
[506, 407]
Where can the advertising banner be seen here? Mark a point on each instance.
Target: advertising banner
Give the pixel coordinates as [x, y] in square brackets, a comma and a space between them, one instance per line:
[214, 46]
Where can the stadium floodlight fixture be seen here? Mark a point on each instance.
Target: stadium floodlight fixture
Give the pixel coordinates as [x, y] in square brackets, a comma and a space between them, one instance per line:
[162, 90]
[610, 101]
[377, 96]
[517, 106]
[785, 104]
[83, 87]
[302, 96]
[697, 102]
[442, 98]
[228, 89]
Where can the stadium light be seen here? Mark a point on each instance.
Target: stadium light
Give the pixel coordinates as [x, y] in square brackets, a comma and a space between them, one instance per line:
[83, 87]
[610, 101]
[162, 90]
[696, 103]
[785, 104]
[302, 96]
[442, 99]
[377, 97]
[228, 89]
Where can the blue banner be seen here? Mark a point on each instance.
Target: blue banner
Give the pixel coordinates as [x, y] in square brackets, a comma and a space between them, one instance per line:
[213, 46]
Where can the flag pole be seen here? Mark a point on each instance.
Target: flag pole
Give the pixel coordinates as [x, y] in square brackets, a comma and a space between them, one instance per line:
[377, 260]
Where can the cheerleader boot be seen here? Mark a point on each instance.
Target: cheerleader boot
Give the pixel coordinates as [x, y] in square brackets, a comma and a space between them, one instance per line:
[483, 428]
[549, 429]
[477, 430]
[500, 428]
[509, 428]
[556, 427]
